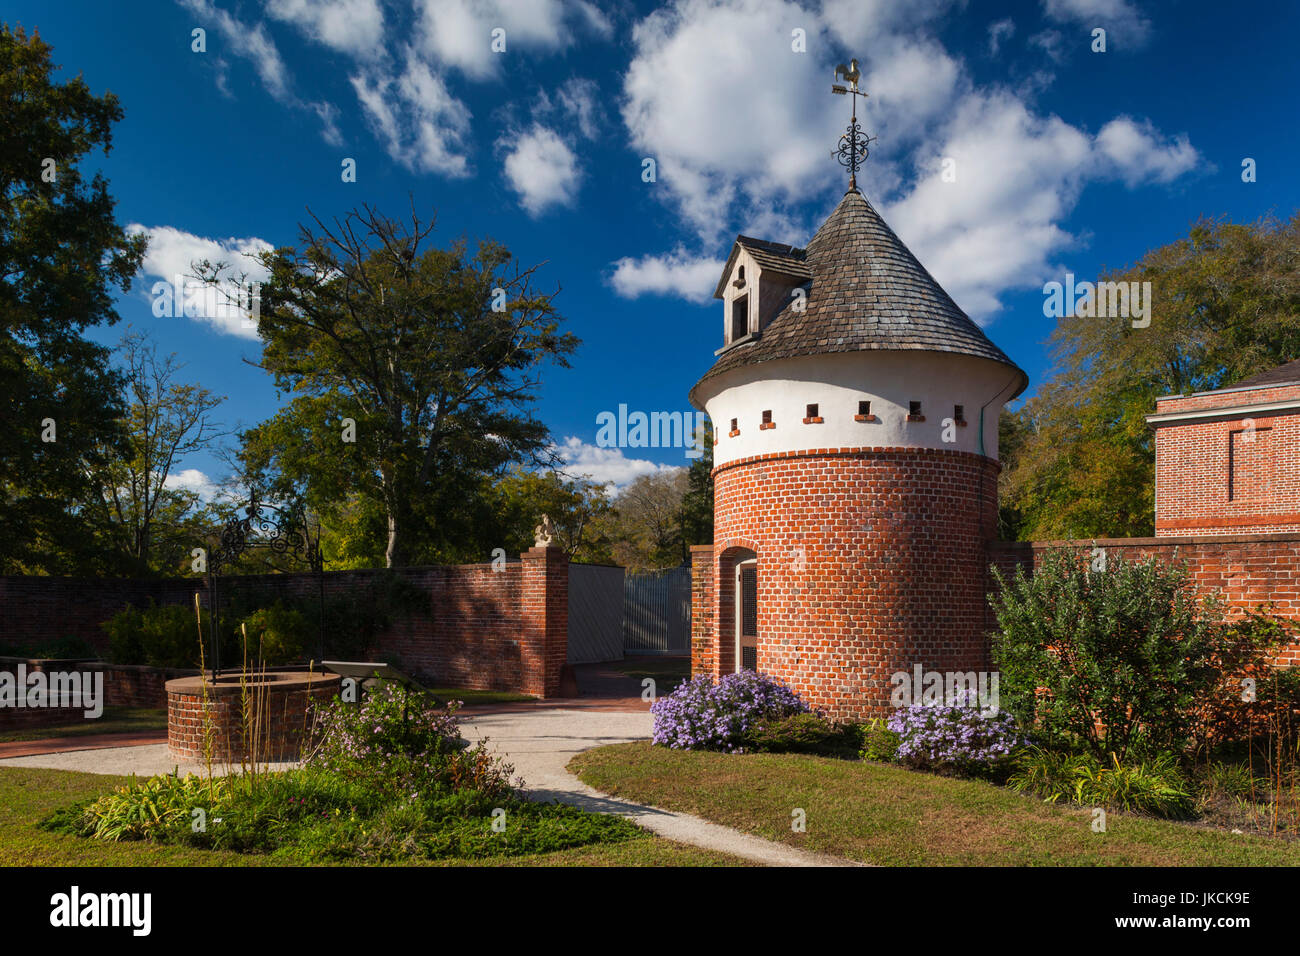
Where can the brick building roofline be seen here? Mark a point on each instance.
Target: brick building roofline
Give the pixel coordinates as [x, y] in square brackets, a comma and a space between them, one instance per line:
[1287, 374]
[1223, 411]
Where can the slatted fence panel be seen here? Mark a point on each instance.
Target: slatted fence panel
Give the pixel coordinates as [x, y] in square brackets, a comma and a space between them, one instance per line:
[657, 612]
[595, 613]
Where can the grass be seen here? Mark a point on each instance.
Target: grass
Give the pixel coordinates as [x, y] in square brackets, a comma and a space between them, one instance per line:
[877, 813]
[29, 795]
[114, 720]
[470, 697]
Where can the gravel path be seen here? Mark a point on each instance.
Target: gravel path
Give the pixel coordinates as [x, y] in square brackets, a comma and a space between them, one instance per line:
[541, 742]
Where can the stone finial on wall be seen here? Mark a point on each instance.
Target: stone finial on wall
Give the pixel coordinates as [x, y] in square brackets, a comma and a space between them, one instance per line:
[544, 533]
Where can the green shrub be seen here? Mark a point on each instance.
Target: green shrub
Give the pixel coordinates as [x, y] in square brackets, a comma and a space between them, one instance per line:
[878, 741]
[1127, 645]
[276, 634]
[160, 636]
[404, 744]
[1154, 785]
[802, 734]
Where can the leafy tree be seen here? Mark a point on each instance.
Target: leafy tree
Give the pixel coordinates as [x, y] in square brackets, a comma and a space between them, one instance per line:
[576, 508]
[150, 525]
[412, 371]
[697, 503]
[61, 255]
[1225, 305]
[646, 528]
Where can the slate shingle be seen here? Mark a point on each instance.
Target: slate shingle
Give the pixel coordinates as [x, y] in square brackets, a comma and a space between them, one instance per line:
[867, 292]
[1287, 374]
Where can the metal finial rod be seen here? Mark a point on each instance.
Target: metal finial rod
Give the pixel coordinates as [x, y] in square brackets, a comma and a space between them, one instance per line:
[853, 149]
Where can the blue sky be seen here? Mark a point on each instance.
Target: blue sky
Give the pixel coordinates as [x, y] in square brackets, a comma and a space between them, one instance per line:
[1067, 160]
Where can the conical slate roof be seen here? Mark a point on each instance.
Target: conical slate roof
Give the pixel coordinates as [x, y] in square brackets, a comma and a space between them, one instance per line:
[868, 292]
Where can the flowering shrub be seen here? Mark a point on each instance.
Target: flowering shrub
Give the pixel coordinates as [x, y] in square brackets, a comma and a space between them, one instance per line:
[953, 735]
[702, 715]
[405, 743]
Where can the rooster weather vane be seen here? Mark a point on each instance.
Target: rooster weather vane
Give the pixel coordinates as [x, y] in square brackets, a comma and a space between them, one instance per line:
[853, 144]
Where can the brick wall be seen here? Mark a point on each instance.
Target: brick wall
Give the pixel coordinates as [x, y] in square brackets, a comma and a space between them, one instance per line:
[703, 649]
[276, 719]
[1245, 571]
[1231, 473]
[40, 610]
[481, 628]
[870, 560]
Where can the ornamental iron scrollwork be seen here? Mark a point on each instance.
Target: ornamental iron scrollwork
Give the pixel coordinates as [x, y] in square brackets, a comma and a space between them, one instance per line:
[282, 530]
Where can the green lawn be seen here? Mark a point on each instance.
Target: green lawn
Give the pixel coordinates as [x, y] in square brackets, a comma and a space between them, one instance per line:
[28, 795]
[114, 720]
[469, 697]
[876, 813]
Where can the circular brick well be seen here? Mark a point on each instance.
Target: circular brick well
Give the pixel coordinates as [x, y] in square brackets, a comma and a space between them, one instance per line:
[280, 702]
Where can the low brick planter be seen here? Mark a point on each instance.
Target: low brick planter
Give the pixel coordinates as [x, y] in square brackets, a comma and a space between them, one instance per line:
[283, 700]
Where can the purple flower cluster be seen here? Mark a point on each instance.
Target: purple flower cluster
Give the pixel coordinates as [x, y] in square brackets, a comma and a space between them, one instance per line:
[953, 735]
[702, 715]
[390, 739]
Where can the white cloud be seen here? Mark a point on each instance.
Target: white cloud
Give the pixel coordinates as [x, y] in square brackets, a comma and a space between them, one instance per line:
[1140, 154]
[421, 124]
[1050, 42]
[716, 96]
[458, 33]
[677, 274]
[606, 466]
[998, 31]
[578, 99]
[355, 27]
[192, 479]
[173, 252]
[251, 42]
[1017, 176]
[741, 128]
[1119, 18]
[542, 169]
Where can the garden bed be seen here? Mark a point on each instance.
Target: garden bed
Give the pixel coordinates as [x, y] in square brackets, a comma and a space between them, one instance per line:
[28, 796]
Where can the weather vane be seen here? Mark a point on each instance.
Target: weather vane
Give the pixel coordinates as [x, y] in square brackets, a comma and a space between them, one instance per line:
[853, 144]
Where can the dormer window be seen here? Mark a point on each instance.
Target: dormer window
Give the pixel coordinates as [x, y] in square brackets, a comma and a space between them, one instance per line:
[739, 317]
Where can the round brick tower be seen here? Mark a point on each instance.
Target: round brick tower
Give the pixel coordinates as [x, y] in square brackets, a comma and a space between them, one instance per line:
[855, 412]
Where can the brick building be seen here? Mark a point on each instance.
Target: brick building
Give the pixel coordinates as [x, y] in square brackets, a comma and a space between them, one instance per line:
[855, 468]
[1228, 461]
